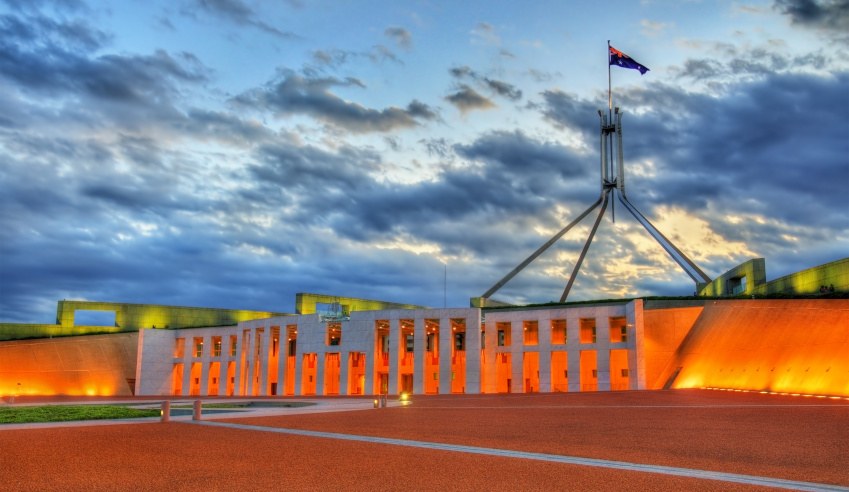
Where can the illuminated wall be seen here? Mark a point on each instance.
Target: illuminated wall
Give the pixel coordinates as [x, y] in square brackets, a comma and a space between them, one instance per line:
[811, 281]
[743, 279]
[129, 317]
[664, 330]
[84, 365]
[307, 304]
[749, 278]
[786, 346]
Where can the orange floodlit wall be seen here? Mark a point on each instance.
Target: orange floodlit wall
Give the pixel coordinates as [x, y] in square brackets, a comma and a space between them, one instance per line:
[798, 346]
[84, 365]
[664, 331]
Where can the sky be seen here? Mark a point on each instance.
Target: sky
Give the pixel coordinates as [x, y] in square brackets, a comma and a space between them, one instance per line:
[232, 153]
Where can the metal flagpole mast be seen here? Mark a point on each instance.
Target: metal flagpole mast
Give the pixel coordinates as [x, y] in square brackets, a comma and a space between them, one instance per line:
[609, 94]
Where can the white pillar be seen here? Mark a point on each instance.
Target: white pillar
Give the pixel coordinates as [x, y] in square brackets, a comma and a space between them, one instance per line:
[394, 355]
[419, 345]
[473, 353]
[446, 342]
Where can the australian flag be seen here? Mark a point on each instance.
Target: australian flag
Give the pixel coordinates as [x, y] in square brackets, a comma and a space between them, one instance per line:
[622, 60]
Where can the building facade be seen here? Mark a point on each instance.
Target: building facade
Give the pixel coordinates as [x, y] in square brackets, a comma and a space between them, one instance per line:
[418, 351]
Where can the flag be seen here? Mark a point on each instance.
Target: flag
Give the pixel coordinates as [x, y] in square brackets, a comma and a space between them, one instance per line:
[621, 59]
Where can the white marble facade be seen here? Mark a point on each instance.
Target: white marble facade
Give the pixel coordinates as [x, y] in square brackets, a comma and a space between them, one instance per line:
[422, 351]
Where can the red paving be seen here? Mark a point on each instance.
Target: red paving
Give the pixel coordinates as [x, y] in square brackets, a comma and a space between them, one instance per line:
[803, 439]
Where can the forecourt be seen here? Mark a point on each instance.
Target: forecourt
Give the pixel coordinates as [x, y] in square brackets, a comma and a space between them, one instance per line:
[646, 440]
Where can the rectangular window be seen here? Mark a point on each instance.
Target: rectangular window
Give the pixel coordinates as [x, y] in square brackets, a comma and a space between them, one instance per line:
[179, 348]
[334, 333]
[460, 341]
[618, 329]
[234, 340]
[198, 344]
[531, 332]
[409, 343]
[216, 346]
[504, 337]
[558, 331]
[588, 334]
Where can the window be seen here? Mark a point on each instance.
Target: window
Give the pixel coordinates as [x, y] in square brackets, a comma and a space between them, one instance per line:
[233, 342]
[179, 348]
[558, 331]
[334, 333]
[460, 341]
[531, 332]
[504, 337]
[588, 334]
[198, 344]
[216, 346]
[409, 343]
[618, 329]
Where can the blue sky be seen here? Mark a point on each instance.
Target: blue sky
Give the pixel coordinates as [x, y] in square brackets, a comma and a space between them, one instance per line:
[232, 153]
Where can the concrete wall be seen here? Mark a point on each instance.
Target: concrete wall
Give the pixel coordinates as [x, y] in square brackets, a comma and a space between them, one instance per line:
[663, 332]
[81, 365]
[811, 281]
[789, 346]
[306, 304]
[579, 379]
[128, 317]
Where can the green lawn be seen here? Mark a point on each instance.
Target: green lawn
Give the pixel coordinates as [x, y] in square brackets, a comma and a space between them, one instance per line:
[63, 413]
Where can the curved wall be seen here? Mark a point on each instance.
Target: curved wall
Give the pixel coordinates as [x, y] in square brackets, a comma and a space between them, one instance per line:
[786, 346]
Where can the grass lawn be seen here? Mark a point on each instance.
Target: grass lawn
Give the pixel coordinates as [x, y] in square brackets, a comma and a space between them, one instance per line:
[63, 413]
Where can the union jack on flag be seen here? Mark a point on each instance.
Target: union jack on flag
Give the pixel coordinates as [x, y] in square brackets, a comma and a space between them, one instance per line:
[622, 60]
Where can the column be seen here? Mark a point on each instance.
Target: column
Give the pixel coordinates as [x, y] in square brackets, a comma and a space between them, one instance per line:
[419, 345]
[320, 362]
[264, 352]
[344, 366]
[491, 335]
[473, 353]
[204, 366]
[602, 331]
[395, 347]
[446, 340]
[517, 359]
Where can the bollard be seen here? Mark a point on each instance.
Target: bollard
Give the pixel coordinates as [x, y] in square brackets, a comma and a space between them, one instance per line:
[165, 412]
[196, 412]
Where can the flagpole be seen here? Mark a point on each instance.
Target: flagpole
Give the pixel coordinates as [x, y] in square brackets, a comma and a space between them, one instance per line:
[609, 94]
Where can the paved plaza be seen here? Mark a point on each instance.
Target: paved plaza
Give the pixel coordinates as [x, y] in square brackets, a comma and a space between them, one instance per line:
[649, 440]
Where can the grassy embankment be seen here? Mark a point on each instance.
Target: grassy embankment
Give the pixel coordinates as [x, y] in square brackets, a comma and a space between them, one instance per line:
[64, 413]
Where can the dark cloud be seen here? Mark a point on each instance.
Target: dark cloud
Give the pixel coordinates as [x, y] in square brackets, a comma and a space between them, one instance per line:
[829, 15]
[497, 87]
[295, 94]
[504, 89]
[467, 99]
[240, 13]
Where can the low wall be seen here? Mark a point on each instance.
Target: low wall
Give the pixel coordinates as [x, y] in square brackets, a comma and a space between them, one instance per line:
[80, 365]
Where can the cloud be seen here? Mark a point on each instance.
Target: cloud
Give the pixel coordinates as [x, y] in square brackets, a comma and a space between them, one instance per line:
[467, 99]
[653, 28]
[400, 36]
[484, 33]
[295, 94]
[496, 87]
[239, 13]
[828, 15]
